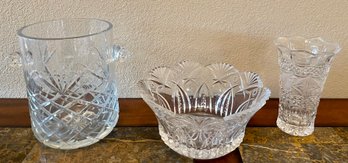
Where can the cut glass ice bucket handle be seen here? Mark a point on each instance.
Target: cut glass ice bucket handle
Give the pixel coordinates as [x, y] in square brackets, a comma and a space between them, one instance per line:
[118, 53]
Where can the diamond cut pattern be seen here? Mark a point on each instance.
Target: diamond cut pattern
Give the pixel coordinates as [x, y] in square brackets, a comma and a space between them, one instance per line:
[67, 110]
[304, 69]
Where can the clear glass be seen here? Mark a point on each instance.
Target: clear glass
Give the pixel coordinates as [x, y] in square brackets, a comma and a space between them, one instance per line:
[202, 111]
[304, 66]
[71, 90]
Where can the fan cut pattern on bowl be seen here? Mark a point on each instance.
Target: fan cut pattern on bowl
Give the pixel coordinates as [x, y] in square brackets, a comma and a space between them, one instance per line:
[203, 110]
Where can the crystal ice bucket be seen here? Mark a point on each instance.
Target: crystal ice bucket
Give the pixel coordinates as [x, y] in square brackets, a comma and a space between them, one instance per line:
[304, 66]
[71, 90]
[202, 111]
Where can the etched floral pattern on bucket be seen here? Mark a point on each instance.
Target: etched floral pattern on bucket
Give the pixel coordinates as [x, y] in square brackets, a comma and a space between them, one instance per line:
[71, 86]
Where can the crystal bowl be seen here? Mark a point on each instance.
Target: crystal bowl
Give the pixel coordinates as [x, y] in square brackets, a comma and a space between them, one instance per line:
[202, 111]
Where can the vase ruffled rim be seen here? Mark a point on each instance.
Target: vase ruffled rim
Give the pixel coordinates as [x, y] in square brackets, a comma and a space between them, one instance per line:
[314, 45]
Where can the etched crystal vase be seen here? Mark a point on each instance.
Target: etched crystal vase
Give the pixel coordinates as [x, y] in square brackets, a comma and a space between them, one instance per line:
[304, 66]
[71, 91]
[202, 111]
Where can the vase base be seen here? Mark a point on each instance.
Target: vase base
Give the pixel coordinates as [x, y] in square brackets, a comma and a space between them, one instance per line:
[295, 130]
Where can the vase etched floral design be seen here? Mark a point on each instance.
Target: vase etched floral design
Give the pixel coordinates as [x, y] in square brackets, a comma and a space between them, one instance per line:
[202, 111]
[304, 66]
[71, 90]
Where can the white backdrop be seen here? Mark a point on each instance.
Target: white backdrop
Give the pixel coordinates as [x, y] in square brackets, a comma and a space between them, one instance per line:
[238, 32]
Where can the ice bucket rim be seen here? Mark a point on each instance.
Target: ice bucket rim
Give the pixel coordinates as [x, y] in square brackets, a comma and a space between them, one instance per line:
[21, 34]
